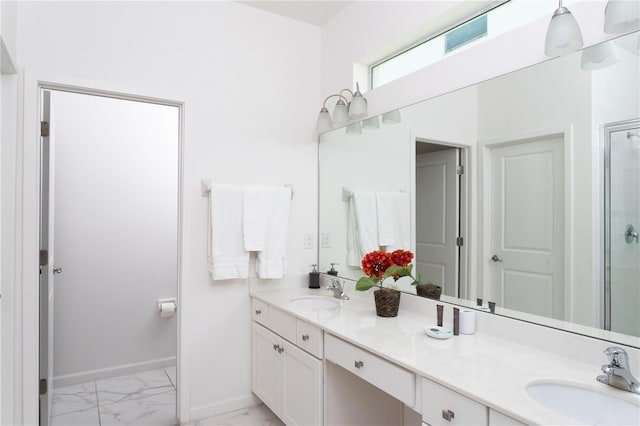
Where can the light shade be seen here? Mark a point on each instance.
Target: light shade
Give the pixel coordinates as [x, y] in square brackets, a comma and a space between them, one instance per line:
[563, 34]
[599, 56]
[324, 123]
[621, 16]
[340, 113]
[358, 104]
[371, 123]
[391, 117]
[354, 128]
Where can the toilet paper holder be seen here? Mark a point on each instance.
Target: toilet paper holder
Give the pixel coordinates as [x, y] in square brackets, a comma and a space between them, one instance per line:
[167, 307]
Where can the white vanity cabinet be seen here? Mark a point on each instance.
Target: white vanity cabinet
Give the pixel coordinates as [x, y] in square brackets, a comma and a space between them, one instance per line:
[286, 378]
[442, 406]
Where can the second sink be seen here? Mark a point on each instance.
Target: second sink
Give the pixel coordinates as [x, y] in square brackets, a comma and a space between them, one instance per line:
[585, 405]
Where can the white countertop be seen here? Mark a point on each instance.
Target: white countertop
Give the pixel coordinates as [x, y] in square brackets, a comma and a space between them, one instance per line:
[491, 370]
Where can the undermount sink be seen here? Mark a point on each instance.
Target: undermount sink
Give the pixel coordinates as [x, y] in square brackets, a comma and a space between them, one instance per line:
[314, 303]
[585, 405]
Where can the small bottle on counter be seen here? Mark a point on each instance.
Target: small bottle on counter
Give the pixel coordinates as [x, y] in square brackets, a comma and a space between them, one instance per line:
[456, 321]
[333, 271]
[314, 277]
[440, 312]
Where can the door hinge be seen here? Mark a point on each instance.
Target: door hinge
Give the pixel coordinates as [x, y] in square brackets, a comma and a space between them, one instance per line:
[460, 169]
[44, 129]
[43, 386]
[459, 241]
[44, 257]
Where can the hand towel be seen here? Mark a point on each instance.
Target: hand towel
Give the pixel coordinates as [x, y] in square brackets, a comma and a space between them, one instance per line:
[254, 217]
[401, 221]
[228, 258]
[271, 259]
[367, 220]
[386, 211]
[354, 255]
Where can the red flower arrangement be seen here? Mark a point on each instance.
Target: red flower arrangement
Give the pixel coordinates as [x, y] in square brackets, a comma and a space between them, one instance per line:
[379, 265]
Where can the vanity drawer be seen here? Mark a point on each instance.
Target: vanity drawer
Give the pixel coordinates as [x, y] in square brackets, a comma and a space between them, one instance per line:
[260, 311]
[498, 419]
[282, 323]
[442, 406]
[309, 338]
[394, 380]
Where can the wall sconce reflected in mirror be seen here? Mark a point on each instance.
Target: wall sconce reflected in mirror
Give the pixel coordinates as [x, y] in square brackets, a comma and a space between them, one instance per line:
[391, 117]
[599, 56]
[354, 128]
[371, 123]
[621, 16]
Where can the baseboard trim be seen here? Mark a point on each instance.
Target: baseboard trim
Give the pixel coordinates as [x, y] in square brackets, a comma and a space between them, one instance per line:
[223, 407]
[106, 373]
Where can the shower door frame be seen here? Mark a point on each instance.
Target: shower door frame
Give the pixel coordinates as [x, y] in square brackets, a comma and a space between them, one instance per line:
[608, 129]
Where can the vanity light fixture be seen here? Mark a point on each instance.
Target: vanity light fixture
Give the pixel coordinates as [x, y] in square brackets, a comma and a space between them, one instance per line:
[343, 111]
[563, 33]
[621, 16]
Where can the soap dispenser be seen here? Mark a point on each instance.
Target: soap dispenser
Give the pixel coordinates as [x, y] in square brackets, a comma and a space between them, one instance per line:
[314, 277]
[333, 271]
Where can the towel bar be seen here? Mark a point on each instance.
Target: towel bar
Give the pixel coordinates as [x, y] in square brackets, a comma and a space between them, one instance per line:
[205, 187]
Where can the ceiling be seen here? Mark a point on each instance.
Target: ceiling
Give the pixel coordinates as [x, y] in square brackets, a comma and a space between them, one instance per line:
[312, 12]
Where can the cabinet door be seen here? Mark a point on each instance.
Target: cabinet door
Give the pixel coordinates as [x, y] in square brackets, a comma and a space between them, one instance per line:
[267, 367]
[303, 395]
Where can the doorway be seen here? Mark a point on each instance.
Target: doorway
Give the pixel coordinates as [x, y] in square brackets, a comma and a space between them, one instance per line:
[526, 225]
[109, 236]
[440, 229]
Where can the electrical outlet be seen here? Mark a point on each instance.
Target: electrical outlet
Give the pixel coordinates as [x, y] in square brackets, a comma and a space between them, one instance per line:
[308, 241]
[326, 240]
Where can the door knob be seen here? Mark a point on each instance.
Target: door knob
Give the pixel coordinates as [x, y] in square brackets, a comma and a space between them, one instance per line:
[57, 269]
[630, 234]
[495, 258]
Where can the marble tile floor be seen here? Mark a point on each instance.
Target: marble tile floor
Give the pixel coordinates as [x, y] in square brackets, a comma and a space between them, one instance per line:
[147, 398]
[139, 399]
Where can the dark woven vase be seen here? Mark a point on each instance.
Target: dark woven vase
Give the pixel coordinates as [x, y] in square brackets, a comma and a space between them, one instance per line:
[387, 302]
[430, 291]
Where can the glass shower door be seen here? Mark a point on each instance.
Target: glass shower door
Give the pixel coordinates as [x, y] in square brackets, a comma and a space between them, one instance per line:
[622, 216]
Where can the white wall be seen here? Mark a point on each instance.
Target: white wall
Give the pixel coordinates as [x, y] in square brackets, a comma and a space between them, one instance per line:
[116, 230]
[250, 84]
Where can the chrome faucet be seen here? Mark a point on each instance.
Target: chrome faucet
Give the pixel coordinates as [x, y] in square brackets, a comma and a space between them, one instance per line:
[335, 286]
[617, 373]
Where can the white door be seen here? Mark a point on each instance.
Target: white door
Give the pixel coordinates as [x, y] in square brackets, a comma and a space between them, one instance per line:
[527, 226]
[303, 391]
[437, 218]
[47, 267]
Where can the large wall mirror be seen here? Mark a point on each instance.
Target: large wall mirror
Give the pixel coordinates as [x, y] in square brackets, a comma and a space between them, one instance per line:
[523, 190]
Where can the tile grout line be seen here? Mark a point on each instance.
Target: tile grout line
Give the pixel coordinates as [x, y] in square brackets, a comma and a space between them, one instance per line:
[95, 385]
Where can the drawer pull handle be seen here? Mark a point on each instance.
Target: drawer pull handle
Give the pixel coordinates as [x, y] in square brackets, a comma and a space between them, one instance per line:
[280, 349]
[305, 337]
[359, 364]
[448, 415]
[258, 311]
[276, 347]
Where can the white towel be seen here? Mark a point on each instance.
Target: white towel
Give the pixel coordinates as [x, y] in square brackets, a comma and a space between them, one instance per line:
[386, 220]
[354, 255]
[227, 256]
[275, 210]
[367, 220]
[401, 220]
[254, 226]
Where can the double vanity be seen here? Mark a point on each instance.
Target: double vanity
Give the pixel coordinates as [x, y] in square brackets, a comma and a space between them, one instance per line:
[319, 360]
